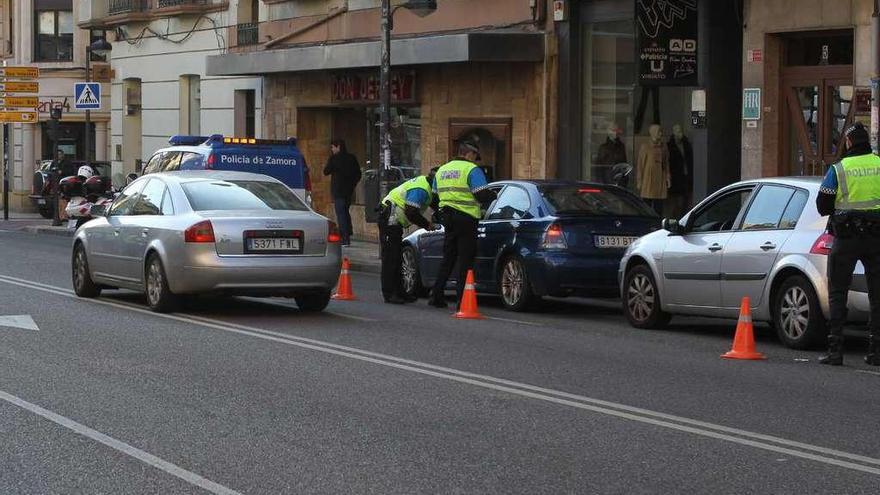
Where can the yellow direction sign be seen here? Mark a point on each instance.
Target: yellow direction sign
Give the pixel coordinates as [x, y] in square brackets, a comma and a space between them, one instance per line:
[20, 72]
[20, 87]
[19, 102]
[22, 117]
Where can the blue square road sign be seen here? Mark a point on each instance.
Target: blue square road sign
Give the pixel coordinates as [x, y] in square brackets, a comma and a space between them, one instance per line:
[87, 96]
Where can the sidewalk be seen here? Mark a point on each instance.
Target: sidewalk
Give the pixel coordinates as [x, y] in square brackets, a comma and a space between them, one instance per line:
[363, 255]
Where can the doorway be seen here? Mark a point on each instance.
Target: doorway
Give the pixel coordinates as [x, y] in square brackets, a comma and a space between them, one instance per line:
[816, 100]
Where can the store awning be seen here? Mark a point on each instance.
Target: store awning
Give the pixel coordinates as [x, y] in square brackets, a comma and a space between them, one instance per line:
[486, 46]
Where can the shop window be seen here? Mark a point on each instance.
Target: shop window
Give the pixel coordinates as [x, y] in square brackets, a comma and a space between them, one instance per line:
[53, 36]
[609, 97]
[492, 135]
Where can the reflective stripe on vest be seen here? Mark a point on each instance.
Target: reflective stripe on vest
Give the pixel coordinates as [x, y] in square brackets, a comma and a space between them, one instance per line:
[858, 182]
[397, 197]
[453, 189]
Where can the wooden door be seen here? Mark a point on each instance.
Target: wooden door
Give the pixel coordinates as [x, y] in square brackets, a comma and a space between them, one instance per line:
[817, 103]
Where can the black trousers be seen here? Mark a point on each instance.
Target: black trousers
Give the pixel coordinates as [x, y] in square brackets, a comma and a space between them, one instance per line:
[391, 237]
[841, 263]
[459, 249]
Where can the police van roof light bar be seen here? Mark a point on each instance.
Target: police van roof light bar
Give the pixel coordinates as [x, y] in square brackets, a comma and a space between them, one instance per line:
[181, 140]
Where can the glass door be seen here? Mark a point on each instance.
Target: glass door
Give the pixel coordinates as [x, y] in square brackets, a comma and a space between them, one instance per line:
[818, 108]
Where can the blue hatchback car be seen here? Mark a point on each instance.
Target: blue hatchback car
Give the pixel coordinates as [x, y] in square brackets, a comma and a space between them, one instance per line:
[541, 238]
[280, 159]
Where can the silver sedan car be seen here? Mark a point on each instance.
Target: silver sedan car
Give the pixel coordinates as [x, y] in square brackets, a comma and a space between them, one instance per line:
[234, 233]
[761, 238]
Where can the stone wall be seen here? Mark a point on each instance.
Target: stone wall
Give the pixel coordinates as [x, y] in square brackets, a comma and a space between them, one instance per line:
[764, 21]
[300, 105]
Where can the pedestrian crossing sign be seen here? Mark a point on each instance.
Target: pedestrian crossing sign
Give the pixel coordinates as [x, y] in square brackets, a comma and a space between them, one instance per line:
[87, 96]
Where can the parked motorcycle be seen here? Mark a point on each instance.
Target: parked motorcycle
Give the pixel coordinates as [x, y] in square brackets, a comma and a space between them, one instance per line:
[45, 181]
[83, 191]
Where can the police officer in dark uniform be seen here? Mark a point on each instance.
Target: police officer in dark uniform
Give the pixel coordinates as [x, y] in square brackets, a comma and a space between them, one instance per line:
[850, 193]
[402, 207]
[462, 188]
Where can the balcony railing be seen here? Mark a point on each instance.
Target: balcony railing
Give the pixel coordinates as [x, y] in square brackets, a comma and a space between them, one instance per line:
[177, 3]
[248, 34]
[126, 6]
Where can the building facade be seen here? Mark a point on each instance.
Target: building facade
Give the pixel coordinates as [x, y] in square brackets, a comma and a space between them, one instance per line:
[626, 67]
[811, 65]
[160, 86]
[484, 74]
[43, 33]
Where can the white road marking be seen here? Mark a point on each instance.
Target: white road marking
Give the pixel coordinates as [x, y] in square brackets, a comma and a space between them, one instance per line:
[875, 373]
[519, 322]
[679, 423]
[120, 446]
[19, 321]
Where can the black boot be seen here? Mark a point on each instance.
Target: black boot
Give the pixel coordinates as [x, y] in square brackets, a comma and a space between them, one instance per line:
[834, 357]
[873, 356]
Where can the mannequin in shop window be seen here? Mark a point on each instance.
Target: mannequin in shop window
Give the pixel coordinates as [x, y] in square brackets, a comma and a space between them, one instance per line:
[652, 170]
[611, 152]
[681, 169]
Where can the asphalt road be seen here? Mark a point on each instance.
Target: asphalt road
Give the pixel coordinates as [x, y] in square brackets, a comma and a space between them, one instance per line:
[251, 396]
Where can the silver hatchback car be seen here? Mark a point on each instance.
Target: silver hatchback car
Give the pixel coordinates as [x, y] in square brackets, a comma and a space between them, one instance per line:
[234, 233]
[761, 238]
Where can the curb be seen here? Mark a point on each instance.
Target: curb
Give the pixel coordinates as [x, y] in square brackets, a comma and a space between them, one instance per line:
[356, 265]
[49, 231]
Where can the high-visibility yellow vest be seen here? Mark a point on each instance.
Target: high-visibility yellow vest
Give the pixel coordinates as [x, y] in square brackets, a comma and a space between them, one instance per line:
[858, 183]
[397, 197]
[453, 189]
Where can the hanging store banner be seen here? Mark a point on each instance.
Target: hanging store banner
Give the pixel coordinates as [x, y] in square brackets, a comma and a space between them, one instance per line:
[667, 42]
[363, 88]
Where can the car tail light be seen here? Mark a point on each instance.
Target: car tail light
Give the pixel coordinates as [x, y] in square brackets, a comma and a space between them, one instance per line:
[333, 232]
[823, 244]
[200, 232]
[212, 158]
[554, 237]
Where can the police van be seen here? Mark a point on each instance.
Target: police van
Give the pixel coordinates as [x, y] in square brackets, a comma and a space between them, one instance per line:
[280, 159]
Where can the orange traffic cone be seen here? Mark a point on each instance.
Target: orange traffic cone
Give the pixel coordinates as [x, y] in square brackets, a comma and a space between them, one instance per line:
[468, 308]
[744, 341]
[343, 288]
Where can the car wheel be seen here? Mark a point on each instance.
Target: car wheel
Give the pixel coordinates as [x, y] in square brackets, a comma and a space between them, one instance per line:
[797, 316]
[411, 279]
[641, 299]
[159, 296]
[313, 303]
[83, 285]
[45, 212]
[514, 286]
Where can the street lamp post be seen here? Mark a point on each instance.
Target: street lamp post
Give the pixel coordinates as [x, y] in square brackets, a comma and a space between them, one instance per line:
[421, 8]
[101, 48]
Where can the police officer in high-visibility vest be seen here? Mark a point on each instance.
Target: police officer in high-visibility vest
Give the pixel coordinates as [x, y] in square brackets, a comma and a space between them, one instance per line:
[461, 187]
[402, 207]
[850, 193]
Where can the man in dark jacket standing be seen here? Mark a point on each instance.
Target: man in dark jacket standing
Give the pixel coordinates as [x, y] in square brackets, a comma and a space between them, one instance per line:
[345, 173]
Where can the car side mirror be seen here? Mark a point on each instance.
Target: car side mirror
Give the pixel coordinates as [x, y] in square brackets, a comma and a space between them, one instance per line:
[672, 225]
[98, 210]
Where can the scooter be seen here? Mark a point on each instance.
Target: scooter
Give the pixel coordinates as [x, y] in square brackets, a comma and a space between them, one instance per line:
[83, 191]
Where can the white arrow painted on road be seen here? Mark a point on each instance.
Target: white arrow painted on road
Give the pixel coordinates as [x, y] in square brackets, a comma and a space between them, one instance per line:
[19, 321]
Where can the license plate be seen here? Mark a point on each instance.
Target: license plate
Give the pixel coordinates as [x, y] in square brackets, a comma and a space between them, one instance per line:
[41, 201]
[613, 241]
[273, 244]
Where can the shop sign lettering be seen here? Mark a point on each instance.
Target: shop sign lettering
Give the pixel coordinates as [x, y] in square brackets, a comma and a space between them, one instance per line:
[48, 103]
[364, 88]
[667, 42]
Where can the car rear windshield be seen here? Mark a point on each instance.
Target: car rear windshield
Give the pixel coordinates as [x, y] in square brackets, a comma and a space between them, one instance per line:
[241, 195]
[594, 200]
